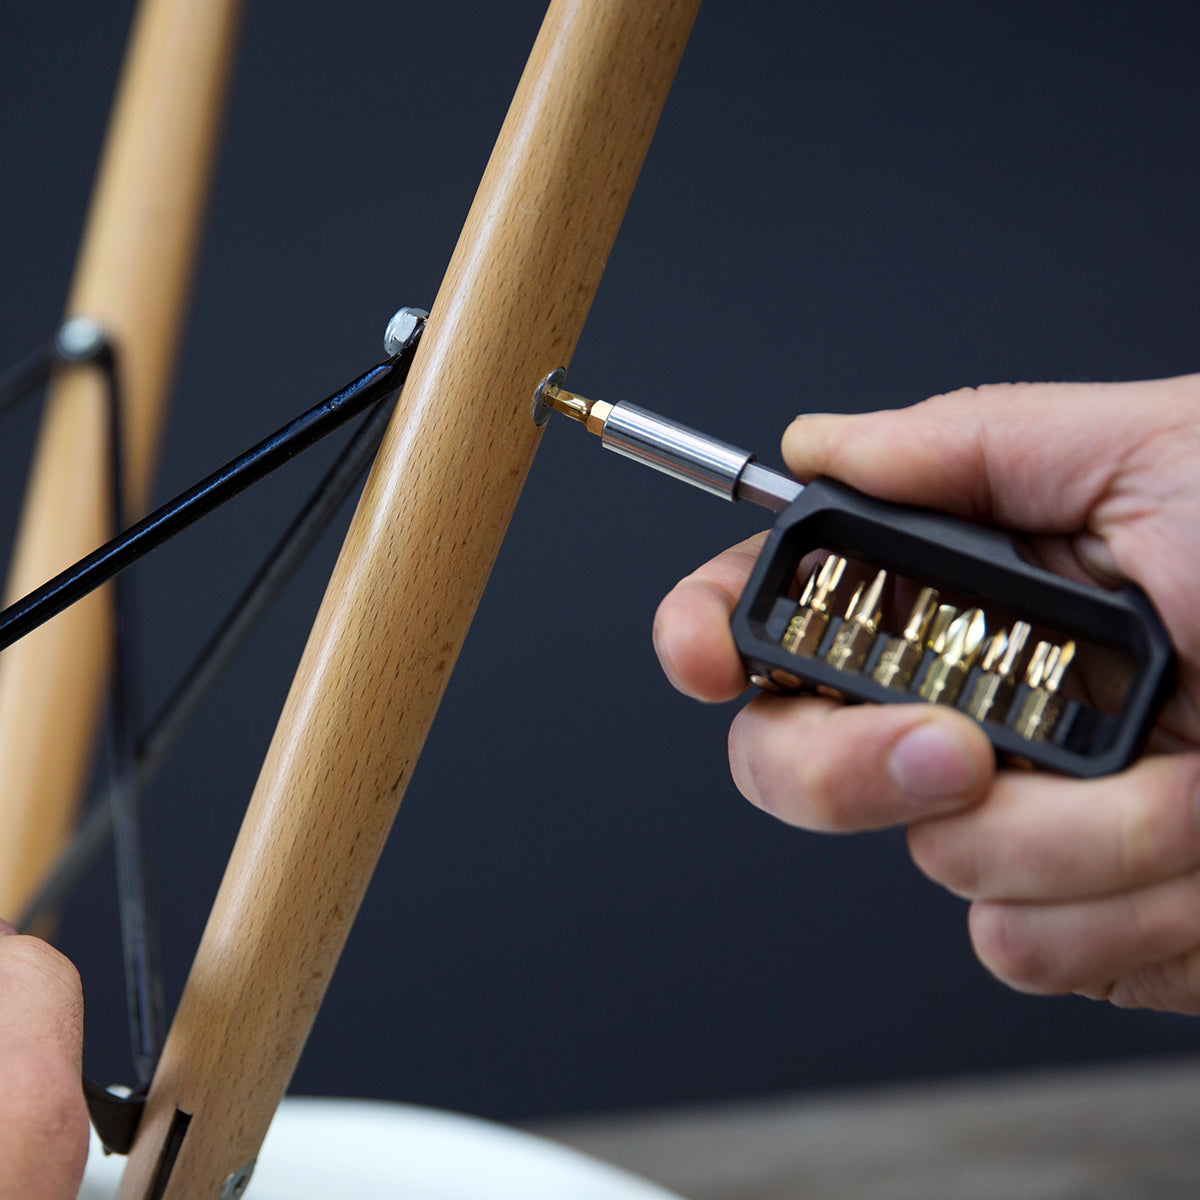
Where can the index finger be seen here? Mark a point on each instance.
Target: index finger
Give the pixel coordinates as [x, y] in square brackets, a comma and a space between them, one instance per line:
[691, 628]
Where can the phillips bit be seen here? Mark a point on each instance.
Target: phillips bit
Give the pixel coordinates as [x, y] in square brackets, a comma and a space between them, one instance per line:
[946, 675]
[1042, 704]
[902, 655]
[806, 629]
[992, 692]
[856, 634]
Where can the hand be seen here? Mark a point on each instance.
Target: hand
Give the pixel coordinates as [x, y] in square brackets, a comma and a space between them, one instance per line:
[43, 1118]
[1084, 886]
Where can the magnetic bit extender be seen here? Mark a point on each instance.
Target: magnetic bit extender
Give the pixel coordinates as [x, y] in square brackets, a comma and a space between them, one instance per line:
[859, 599]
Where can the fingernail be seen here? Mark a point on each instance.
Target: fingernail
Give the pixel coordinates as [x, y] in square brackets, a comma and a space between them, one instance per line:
[5, 928]
[805, 416]
[931, 762]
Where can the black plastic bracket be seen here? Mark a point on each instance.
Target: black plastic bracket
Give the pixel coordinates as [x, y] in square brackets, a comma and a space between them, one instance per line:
[115, 1118]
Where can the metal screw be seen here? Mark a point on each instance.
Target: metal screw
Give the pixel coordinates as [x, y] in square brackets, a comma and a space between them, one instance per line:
[235, 1186]
[401, 328]
[541, 407]
[80, 339]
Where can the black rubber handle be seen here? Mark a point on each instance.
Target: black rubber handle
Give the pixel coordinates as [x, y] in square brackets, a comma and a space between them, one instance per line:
[981, 565]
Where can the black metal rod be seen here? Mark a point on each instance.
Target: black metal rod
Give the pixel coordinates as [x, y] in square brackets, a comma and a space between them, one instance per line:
[243, 615]
[221, 486]
[143, 984]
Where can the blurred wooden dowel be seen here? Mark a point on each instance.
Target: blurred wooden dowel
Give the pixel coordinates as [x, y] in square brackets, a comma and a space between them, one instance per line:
[133, 276]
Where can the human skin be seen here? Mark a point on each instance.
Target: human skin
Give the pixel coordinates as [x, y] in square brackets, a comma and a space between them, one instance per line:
[1086, 886]
[43, 1118]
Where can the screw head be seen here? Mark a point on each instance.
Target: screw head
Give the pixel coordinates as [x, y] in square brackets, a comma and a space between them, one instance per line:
[542, 410]
[401, 328]
[80, 339]
[235, 1185]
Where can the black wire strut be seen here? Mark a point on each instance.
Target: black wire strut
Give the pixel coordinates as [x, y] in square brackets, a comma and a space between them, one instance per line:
[204, 497]
[240, 620]
[116, 1116]
[81, 342]
[143, 982]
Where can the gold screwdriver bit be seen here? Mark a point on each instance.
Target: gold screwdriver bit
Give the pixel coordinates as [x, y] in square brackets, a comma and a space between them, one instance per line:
[806, 629]
[946, 674]
[1042, 705]
[856, 634]
[992, 651]
[590, 413]
[935, 635]
[992, 691]
[902, 655]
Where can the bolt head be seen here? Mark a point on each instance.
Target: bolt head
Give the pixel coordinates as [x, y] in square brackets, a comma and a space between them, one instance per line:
[79, 339]
[401, 328]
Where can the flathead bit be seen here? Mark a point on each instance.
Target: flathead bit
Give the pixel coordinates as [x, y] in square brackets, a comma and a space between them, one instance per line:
[1042, 705]
[1055, 672]
[590, 413]
[1036, 671]
[856, 634]
[921, 616]
[935, 637]
[992, 691]
[902, 655]
[807, 627]
[1017, 638]
[992, 651]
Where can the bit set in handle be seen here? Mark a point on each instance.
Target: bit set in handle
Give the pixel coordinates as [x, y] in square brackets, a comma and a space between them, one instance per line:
[988, 632]
[942, 655]
[907, 605]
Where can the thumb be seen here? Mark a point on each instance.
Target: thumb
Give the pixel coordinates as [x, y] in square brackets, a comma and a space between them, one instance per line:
[43, 1118]
[1033, 457]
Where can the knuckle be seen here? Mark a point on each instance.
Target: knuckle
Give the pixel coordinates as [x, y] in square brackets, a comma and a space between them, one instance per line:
[962, 395]
[826, 804]
[942, 857]
[747, 767]
[1159, 827]
[1004, 944]
[40, 962]
[1139, 842]
[984, 393]
[1170, 986]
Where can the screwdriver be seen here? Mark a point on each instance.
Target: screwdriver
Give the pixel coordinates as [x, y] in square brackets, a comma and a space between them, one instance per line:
[780, 627]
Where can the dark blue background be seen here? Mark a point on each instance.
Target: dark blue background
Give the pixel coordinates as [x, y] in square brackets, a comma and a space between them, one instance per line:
[845, 207]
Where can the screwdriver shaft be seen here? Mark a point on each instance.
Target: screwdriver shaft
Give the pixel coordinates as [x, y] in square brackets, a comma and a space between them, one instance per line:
[683, 453]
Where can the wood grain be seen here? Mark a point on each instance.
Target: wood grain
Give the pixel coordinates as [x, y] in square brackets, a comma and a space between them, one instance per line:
[133, 274]
[414, 564]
